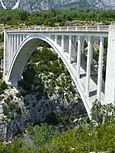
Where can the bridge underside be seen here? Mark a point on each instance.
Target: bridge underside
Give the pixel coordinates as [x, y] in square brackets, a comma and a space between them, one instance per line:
[70, 48]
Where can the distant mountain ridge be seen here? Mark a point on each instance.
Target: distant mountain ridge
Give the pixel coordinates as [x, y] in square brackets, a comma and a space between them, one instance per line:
[34, 5]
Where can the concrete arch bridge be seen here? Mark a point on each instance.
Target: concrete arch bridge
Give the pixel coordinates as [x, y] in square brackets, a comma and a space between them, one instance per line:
[68, 42]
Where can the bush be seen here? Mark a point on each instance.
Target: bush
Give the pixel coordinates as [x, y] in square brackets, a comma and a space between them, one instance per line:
[18, 95]
[6, 110]
[3, 85]
[41, 134]
[102, 113]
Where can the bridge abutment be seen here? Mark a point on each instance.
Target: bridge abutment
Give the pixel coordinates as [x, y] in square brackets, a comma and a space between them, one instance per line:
[110, 70]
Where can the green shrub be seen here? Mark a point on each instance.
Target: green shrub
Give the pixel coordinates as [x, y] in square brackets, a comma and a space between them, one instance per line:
[3, 85]
[41, 134]
[6, 110]
[18, 95]
[12, 105]
[8, 99]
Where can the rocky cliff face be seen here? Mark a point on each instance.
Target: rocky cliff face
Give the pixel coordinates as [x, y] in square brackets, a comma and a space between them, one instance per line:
[34, 5]
[46, 94]
[19, 109]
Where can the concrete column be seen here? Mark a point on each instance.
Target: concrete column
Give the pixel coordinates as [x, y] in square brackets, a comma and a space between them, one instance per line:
[56, 39]
[6, 56]
[110, 68]
[100, 68]
[11, 47]
[70, 47]
[9, 51]
[25, 36]
[21, 37]
[14, 43]
[78, 57]
[62, 43]
[82, 45]
[92, 51]
[74, 50]
[17, 41]
[88, 65]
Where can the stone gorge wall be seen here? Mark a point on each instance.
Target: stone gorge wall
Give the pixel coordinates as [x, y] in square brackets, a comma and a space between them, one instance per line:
[32, 5]
[46, 94]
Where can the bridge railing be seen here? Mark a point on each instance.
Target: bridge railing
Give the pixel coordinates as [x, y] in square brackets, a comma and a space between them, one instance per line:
[103, 28]
[68, 28]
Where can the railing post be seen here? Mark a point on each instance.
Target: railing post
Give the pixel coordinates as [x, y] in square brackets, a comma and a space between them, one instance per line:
[98, 28]
[76, 28]
[100, 68]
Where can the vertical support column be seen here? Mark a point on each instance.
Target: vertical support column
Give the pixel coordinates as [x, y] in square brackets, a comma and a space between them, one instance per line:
[56, 39]
[78, 57]
[10, 39]
[88, 65]
[70, 47]
[74, 49]
[14, 44]
[100, 68]
[17, 41]
[5, 55]
[82, 45]
[21, 37]
[110, 68]
[9, 48]
[62, 43]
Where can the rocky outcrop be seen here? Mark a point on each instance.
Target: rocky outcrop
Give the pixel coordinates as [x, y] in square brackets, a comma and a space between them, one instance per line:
[19, 108]
[34, 5]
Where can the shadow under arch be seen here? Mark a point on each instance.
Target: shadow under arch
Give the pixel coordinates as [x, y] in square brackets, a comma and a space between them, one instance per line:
[23, 54]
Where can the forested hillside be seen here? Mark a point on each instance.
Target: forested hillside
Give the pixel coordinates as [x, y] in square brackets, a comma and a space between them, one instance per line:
[56, 17]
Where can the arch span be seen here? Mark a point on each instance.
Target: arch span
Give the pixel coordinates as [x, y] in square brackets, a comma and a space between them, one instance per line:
[24, 52]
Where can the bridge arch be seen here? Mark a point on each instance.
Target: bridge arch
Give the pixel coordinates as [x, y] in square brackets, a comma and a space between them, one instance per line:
[23, 54]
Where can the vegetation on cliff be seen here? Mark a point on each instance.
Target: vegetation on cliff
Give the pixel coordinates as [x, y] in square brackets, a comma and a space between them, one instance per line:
[85, 138]
[56, 17]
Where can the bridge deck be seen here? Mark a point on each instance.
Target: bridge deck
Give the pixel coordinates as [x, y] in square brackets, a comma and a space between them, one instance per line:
[100, 28]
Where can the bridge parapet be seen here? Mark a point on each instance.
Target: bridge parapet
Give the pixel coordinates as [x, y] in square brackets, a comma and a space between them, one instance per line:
[103, 28]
